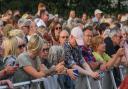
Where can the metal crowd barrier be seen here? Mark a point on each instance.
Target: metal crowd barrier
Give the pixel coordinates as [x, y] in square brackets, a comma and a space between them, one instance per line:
[24, 85]
[51, 82]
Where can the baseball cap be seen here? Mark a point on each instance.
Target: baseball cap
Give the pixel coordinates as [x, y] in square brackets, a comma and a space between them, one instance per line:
[24, 22]
[97, 11]
[78, 34]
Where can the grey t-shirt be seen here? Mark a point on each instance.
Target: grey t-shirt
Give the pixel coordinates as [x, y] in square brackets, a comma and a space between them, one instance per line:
[24, 60]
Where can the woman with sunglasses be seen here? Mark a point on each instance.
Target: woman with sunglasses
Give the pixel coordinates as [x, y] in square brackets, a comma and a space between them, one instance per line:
[55, 29]
[45, 60]
[10, 48]
[44, 54]
[21, 39]
[29, 61]
[10, 52]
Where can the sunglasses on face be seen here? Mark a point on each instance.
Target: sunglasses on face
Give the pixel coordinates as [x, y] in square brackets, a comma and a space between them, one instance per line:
[45, 49]
[21, 46]
[58, 28]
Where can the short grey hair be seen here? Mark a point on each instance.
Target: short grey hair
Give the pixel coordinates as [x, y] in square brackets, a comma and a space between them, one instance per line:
[56, 53]
[64, 31]
[113, 32]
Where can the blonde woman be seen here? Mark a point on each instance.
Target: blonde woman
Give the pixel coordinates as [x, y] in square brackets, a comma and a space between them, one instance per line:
[21, 40]
[29, 61]
[10, 50]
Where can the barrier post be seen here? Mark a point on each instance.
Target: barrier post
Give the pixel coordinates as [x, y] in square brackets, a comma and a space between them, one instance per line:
[121, 73]
[99, 83]
[38, 85]
[113, 79]
[88, 83]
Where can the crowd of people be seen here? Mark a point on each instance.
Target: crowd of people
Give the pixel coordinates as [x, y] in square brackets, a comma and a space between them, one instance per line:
[40, 45]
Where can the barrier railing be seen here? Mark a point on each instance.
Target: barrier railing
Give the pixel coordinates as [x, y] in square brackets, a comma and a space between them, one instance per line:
[52, 83]
[25, 84]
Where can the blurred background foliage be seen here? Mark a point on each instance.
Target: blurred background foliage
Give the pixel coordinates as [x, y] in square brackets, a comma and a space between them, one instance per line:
[62, 7]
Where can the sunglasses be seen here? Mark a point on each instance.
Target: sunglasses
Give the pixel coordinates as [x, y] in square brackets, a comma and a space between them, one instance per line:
[9, 14]
[27, 27]
[21, 46]
[64, 37]
[45, 49]
[58, 28]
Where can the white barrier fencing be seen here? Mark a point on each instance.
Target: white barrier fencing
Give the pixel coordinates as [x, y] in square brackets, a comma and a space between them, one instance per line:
[107, 82]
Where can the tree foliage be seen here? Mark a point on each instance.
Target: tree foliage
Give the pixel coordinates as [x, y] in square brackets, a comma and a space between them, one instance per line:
[62, 7]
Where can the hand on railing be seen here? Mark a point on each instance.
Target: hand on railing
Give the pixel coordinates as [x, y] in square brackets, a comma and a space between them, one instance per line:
[70, 73]
[8, 82]
[60, 67]
[95, 75]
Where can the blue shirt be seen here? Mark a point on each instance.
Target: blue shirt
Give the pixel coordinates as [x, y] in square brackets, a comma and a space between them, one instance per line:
[73, 55]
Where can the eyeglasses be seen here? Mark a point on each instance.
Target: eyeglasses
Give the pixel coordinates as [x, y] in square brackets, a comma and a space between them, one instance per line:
[26, 27]
[21, 46]
[58, 28]
[64, 37]
[45, 49]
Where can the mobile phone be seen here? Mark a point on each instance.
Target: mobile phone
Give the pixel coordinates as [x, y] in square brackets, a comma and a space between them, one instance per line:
[101, 74]
[75, 72]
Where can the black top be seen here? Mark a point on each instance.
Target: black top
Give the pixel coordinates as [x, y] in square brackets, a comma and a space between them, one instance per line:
[110, 48]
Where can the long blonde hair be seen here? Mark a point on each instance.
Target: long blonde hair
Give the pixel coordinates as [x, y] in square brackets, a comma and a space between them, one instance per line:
[10, 46]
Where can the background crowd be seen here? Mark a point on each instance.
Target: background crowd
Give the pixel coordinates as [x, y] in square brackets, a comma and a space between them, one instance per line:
[40, 45]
